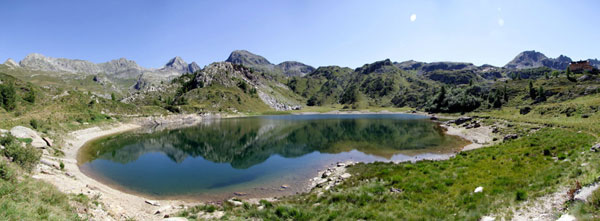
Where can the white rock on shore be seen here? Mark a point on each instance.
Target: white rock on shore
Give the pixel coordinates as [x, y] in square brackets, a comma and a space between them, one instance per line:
[24, 133]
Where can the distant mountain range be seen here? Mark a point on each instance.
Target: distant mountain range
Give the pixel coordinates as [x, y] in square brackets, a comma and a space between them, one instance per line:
[247, 80]
[127, 69]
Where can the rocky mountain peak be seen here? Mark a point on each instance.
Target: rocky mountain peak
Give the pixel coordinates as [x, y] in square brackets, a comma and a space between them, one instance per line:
[193, 67]
[11, 63]
[527, 59]
[534, 59]
[376, 67]
[176, 63]
[247, 58]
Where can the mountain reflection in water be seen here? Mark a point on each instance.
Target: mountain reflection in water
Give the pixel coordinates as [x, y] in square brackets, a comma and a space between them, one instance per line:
[244, 142]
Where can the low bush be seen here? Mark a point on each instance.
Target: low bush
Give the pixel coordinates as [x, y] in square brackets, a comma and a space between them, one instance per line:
[6, 172]
[26, 157]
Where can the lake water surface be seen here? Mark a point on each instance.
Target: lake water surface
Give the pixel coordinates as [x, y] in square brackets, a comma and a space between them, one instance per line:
[256, 155]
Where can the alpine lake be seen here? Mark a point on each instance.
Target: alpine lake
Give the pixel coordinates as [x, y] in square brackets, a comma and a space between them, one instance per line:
[256, 155]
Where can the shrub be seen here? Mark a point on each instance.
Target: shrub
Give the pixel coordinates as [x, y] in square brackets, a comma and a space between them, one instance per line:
[30, 95]
[6, 172]
[8, 97]
[521, 195]
[26, 157]
[594, 199]
[34, 123]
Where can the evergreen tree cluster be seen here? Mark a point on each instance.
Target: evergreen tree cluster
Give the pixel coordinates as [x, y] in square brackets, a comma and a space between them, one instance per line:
[8, 97]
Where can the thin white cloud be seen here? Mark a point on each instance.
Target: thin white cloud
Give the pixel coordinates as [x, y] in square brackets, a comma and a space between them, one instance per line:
[501, 22]
[413, 17]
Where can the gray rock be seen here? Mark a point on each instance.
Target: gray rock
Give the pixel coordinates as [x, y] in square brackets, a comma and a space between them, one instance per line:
[510, 137]
[50, 163]
[24, 132]
[235, 202]
[345, 176]
[473, 125]
[395, 190]
[586, 77]
[595, 147]
[152, 202]
[524, 110]
[462, 120]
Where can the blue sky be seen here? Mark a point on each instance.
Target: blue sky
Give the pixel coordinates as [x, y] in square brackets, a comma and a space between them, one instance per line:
[319, 32]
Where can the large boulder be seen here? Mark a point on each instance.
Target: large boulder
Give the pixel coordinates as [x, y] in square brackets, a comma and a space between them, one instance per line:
[25, 133]
[462, 120]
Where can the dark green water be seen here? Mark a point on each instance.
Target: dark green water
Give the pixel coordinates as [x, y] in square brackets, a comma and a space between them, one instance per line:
[256, 155]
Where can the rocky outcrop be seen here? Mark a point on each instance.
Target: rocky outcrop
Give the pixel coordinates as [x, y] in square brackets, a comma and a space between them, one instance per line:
[27, 133]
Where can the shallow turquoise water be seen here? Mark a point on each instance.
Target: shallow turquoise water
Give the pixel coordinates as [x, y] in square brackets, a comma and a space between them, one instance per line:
[256, 155]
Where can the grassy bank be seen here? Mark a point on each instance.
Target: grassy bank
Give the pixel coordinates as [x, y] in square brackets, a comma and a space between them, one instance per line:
[510, 172]
[25, 198]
